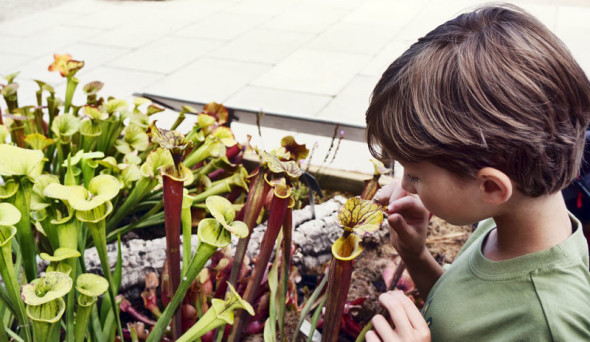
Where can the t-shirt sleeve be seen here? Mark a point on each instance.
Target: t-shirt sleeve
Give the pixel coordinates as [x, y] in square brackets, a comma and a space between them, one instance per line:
[567, 315]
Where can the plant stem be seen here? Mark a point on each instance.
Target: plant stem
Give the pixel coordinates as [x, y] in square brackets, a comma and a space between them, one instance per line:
[98, 231]
[22, 200]
[173, 211]
[82, 317]
[286, 268]
[187, 227]
[10, 281]
[338, 284]
[258, 190]
[309, 303]
[72, 83]
[142, 188]
[315, 318]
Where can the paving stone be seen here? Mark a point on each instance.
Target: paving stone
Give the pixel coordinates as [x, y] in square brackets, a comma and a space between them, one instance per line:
[314, 71]
[278, 101]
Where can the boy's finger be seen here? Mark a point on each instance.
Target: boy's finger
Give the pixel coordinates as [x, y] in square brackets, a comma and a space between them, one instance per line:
[414, 315]
[389, 192]
[383, 328]
[371, 336]
[392, 303]
[402, 229]
[408, 206]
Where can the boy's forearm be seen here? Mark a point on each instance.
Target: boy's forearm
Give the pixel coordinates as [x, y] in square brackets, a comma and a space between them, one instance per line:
[424, 270]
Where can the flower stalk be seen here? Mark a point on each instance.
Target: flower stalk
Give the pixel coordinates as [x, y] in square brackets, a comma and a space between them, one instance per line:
[256, 195]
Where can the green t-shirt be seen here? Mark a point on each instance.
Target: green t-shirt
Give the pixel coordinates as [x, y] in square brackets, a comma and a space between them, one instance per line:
[543, 296]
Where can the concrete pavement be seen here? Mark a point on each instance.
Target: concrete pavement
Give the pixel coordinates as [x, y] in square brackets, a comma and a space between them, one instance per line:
[305, 58]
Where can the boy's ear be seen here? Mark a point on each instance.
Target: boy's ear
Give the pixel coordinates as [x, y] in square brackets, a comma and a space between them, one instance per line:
[495, 185]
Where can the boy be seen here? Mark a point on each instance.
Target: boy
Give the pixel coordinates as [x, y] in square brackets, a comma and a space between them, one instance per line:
[487, 115]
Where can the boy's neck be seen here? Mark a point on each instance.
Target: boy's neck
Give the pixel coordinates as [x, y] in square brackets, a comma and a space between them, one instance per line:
[531, 225]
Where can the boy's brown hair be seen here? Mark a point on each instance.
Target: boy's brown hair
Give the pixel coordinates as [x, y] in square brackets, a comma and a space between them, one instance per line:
[493, 87]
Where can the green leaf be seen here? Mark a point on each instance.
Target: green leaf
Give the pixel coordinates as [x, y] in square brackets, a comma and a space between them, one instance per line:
[204, 120]
[91, 285]
[213, 233]
[38, 199]
[225, 309]
[101, 189]
[6, 234]
[9, 189]
[64, 126]
[81, 155]
[96, 214]
[16, 161]
[60, 254]
[105, 186]
[95, 113]
[116, 105]
[157, 158]
[222, 210]
[48, 312]
[50, 286]
[4, 133]
[135, 138]
[90, 129]
[10, 78]
[225, 135]
[61, 192]
[9, 214]
[38, 141]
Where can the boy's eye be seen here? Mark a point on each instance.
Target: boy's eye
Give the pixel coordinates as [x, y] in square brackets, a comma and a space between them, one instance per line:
[411, 179]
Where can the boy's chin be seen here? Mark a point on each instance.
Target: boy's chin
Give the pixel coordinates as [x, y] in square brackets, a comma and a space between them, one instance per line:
[460, 221]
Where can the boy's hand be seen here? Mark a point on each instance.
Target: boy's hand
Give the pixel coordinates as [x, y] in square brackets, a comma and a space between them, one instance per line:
[407, 218]
[409, 323]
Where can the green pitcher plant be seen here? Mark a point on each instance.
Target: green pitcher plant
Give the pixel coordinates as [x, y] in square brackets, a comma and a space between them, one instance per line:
[9, 216]
[89, 287]
[18, 168]
[45, 304]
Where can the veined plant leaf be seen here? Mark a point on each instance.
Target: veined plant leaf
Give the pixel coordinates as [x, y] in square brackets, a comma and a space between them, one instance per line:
[360, 216]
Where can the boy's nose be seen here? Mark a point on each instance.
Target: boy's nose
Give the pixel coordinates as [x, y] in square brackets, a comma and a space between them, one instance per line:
[408, 186]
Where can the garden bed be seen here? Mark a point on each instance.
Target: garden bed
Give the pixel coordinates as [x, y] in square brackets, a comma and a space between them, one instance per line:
[79, 173]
